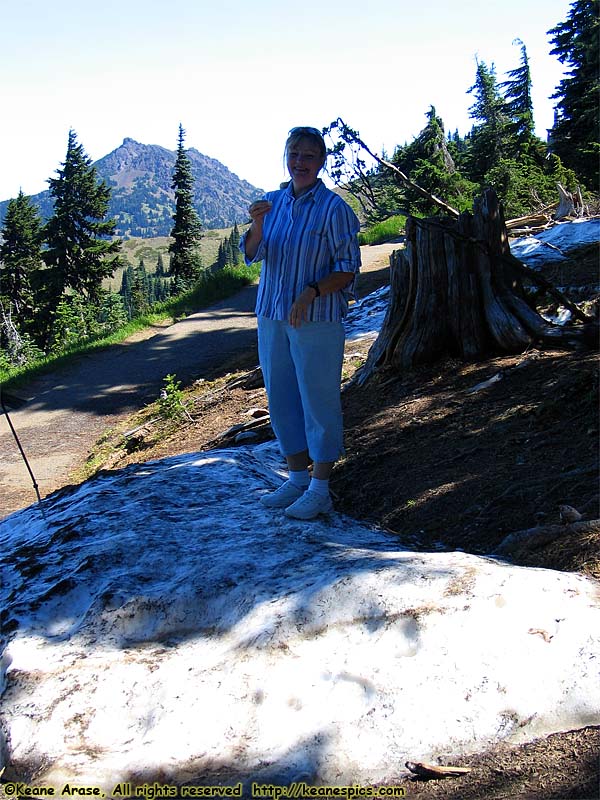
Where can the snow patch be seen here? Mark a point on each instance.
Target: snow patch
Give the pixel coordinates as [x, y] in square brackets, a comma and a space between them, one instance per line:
[165, 622]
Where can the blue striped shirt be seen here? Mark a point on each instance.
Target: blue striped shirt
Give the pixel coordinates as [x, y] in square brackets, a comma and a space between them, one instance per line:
[305, 239]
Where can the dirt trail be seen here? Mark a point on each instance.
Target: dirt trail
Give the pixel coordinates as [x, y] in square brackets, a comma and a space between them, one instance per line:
[60, 416]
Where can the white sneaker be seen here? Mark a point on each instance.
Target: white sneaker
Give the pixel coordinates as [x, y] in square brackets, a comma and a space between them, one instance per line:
[287, 493]
[309, 506]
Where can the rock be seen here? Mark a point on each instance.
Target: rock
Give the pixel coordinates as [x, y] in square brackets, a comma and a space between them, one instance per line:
[568, 514]
[246, 436]
[257, 413]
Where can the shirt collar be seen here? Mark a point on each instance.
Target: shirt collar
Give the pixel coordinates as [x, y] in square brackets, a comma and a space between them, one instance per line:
[289, 190]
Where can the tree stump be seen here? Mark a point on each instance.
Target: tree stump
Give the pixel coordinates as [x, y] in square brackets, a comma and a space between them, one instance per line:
[566, 204]
[456, 290]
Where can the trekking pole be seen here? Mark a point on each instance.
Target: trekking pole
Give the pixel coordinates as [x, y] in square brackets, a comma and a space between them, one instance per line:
[14, 433]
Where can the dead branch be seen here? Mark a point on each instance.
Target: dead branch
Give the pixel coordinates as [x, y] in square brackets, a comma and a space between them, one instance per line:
[431, 771]
[530, 231]
[351, 137]
[568, 205]
[249, 380]
[14, 341]
[138, 428]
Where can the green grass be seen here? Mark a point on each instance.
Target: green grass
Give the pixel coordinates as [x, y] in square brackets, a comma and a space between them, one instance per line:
[212, 287]
[382, 231]
[136, 248]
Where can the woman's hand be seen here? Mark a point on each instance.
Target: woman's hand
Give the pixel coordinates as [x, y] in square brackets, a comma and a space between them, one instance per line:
[333, 282]
[257, 212]
[258, 209]
[299, 310]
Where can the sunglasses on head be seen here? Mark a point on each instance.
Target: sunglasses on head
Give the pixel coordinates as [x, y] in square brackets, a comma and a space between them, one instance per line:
[306, 129]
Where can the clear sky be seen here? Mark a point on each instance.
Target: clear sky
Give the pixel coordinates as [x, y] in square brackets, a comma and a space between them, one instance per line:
[238, 74]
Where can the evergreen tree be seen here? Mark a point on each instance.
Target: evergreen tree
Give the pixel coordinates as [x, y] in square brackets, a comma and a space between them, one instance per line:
[221, 255]
[163, 292]
[139, 291]
[112, 313]
[185, 263]
[574, 136]
[125, 290]
[517, 94]
[21, 258]
[503, 151]
[490, 139]
[230, 251]
[234, 242]
[428, 162]
[71, 323]
[521, 172]
[77, 235]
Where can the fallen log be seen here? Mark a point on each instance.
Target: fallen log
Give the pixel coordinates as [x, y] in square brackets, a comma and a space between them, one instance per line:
[535, 220]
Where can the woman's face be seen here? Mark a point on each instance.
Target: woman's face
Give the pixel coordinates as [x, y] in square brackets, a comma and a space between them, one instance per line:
[304, 162]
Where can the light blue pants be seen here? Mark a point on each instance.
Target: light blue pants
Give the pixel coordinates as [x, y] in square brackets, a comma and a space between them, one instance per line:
[302, 368]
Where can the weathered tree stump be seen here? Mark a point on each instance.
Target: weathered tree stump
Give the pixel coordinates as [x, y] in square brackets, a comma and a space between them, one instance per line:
[456, 290]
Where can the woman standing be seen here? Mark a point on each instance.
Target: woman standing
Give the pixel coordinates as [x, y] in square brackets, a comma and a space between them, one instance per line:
[306, 236]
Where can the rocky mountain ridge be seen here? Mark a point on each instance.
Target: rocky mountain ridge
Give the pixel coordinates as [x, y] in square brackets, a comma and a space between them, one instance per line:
[143, 200]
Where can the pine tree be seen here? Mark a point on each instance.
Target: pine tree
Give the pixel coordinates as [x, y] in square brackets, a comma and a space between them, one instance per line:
[77, 235]
[164, 290]
[517, 94]
[231, 251]
[72, 323]
[112, 312]
[428, 162]
[234, 241]
[521, 170]
[125, 290]
[490, 139]
[221, 257]
[139, 291]
[574, 136]
[185, 263]
[21, 258]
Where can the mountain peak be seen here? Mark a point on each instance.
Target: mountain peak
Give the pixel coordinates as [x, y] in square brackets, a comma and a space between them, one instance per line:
[143, 200]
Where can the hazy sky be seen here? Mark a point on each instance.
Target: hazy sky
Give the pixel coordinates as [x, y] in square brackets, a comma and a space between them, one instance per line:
[238, 75]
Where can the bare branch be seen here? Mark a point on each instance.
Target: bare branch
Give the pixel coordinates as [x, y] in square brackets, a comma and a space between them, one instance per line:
[351, 137]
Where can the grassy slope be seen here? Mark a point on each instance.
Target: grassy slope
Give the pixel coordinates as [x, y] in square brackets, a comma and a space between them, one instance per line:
[135, 249]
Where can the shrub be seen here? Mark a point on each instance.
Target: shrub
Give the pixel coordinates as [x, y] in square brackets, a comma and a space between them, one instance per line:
[170, 401]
